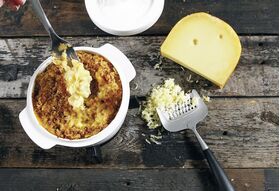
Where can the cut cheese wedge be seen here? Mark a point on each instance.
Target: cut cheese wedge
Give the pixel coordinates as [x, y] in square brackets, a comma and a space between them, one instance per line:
[204, 44]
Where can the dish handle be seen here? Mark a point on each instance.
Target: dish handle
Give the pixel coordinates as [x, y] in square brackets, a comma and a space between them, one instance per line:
[112, 52]
[34, 134]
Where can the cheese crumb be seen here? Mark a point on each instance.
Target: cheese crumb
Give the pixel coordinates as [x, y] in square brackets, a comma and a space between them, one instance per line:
[155, 141]
[206, 98]
[164, 95]
[148, 141]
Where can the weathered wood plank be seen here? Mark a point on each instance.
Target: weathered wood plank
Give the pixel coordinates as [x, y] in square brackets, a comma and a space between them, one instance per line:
[243, 133]
[106, 179]
[271, 179]
[250, 17]
[256, 74]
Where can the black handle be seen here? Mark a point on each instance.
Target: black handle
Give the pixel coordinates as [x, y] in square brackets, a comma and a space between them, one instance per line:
[220, 176]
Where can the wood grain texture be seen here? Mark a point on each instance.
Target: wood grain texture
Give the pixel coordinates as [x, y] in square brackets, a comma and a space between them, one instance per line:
[70, 18]
[242, 127]
[255, 75]
[243, 133]
[271, 179]
[107, 179]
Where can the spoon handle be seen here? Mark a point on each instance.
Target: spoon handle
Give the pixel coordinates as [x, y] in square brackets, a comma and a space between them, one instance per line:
[42, 16]
[44, 20]
[218, 172]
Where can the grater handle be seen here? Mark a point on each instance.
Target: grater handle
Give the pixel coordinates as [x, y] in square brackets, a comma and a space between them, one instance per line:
[220, 176]
[203, 145]
[217, 170]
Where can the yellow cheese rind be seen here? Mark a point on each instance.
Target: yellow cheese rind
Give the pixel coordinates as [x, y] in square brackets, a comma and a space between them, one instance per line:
[204, 44]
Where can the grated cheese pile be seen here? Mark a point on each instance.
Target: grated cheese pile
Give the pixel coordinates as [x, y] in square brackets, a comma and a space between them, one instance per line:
[163, 95]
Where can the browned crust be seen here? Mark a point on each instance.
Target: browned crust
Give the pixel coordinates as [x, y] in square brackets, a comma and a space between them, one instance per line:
[50, 99]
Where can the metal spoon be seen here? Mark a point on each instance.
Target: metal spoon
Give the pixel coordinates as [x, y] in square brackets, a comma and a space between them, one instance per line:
[56, 40]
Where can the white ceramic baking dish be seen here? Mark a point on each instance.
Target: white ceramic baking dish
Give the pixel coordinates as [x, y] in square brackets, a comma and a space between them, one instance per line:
[46, 140]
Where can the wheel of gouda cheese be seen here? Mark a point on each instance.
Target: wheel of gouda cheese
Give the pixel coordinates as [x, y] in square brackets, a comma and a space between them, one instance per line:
[204, 44]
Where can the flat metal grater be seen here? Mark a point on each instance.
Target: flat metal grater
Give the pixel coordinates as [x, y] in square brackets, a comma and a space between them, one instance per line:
[187, 115]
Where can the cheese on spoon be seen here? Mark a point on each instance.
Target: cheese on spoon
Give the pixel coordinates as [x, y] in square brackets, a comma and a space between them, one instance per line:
[77, 80]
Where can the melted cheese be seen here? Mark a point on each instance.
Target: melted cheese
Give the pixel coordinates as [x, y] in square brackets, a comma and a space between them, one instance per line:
[77, 80]
[204, 44]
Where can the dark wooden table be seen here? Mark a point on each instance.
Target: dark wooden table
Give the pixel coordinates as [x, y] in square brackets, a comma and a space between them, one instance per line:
[242, 126]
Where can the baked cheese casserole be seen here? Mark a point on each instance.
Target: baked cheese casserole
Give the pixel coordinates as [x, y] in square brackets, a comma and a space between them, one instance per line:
[78, 100]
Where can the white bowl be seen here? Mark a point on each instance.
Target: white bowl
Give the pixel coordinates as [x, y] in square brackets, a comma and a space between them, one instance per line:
[124, 17]
[46, 140]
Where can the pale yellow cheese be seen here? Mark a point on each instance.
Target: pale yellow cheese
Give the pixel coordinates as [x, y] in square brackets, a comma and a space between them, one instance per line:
[204, 44]
[77, 80]
[164, 95]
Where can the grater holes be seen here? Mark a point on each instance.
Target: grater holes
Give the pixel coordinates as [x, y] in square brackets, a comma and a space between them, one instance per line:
[176, 110]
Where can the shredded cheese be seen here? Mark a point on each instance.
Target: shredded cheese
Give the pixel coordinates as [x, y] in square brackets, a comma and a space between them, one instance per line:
[206, 98]
[164, 95]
